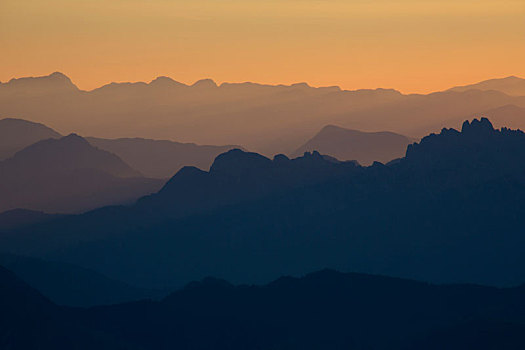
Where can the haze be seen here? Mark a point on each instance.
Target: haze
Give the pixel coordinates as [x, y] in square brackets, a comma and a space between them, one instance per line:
[413, 46]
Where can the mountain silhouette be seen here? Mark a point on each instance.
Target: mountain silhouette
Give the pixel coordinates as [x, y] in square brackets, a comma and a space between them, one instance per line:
[512, 85]
[68, 175]
[159, 158]
[448, 212]
[321, 309]
[16, 134]
[268, 119]
[34, 86]
[364, 147]
[237, 176]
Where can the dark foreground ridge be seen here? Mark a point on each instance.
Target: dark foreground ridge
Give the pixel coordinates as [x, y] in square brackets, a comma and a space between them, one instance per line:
[326, 309]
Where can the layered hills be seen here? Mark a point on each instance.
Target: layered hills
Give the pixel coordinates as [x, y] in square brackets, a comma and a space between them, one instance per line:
[364, 147]
[321, 309]
[268, 119]
[449, 211]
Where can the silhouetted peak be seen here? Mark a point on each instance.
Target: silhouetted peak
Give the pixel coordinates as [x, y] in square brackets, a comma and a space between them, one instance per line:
[70, 144]
[512, 78]
[59, 76]
[72, 139]
[280, 158]
[205, 83]
[15, 122]
[55, 81]
[164, 81]
[237, 161]
[314, 155]
[482, 125]
[188, 172]
[302, 85]
[330, 129]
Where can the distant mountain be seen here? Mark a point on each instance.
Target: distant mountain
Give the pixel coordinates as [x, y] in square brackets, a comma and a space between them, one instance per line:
[322, 309]
[16, 134]
[36, 86]
[268, 119]
[449, 211]
[71, 285]
[364, 147]
[68, 175]
[512, 85]
[160, 158]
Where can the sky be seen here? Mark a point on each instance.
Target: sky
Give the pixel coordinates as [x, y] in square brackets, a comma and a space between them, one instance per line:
[410, 45]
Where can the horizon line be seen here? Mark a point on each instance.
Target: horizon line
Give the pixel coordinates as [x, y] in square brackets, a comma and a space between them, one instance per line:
[219, 84]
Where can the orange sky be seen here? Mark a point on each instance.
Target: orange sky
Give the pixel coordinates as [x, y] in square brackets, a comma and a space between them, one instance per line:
[410, 45]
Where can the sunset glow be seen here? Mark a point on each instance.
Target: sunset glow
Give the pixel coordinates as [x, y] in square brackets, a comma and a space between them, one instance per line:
[413, 46]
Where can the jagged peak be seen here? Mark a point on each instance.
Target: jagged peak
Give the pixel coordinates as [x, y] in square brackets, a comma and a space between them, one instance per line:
[477, 125]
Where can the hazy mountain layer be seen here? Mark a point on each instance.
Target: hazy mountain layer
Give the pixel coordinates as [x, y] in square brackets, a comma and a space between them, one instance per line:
[160, 158]
[364, 147]
[513, 86]
[263, 118]
[448, 212]
[16, 134]
[68, 175]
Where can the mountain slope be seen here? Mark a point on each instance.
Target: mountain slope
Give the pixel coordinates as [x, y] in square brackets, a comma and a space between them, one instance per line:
[364, 147]
[512, 85]
[159, 158]
[68, 175]
[16, 134]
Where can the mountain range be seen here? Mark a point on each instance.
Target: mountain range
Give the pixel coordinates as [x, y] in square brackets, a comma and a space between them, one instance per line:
[263, 118]
[447, 212]
[320, 310]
